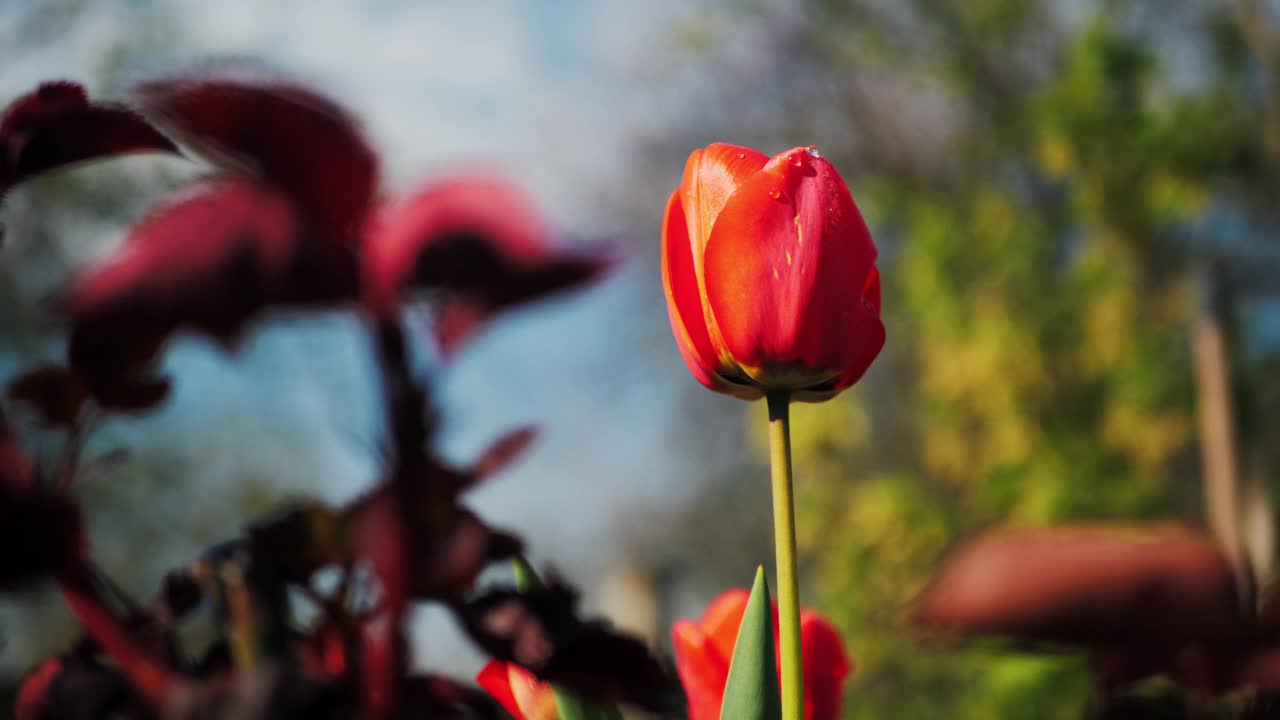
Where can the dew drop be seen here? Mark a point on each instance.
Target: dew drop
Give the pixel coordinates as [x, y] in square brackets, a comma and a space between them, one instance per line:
[797, 160]
[812, 150]
[742, 156]
[776, 195]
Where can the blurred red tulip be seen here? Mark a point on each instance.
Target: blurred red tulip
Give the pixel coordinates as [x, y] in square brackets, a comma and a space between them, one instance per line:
[1085, 585]
[704, 649]
[519, 691]
[1143, 600]
[56, 125]
[770, 274]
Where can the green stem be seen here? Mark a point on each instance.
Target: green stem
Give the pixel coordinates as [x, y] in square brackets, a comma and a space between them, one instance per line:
[784, 540]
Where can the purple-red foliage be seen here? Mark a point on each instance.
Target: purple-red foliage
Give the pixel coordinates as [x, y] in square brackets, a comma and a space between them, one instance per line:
[286, 220]
[55, 125]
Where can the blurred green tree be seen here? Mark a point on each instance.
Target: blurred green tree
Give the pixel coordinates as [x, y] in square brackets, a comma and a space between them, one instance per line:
[1067, 197]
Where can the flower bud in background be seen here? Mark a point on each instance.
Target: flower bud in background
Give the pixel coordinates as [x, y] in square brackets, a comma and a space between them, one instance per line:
[522, 694]
[704, 649]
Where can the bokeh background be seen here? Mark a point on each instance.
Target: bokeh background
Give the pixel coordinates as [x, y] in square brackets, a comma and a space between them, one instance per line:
[1076, 206]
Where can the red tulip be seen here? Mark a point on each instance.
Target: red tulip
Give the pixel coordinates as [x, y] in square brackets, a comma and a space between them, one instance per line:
[770, 274]
[519, 691]
[704, 649]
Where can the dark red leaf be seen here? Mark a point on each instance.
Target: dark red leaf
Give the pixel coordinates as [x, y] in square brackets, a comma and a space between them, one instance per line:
[439, 697]
[292, 137]
[299, 540]
[479, 241]
[73, 687]
[207, 261]
[56, 393]
[268, 692]
[540, 630]
[33, 691]
[136, 394]
[17, 473]
[40, 534]
[1087, 585]
[447, 545]
[505, 451]
[56, 125]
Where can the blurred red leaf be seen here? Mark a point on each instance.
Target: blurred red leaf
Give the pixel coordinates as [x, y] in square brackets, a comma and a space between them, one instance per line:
[17, 473]
[77, 687]
[33, 690]
[40, 532]
[289, 136]
[476, 239]
[56, 125]
[447, 545]
[56, 393]
[208, 260]
[439, 697]
[1087, 586]
[505, 451]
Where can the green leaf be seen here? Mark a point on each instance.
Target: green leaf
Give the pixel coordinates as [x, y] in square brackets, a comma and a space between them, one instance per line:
[571, 706]
[751, 692]
[526, 577]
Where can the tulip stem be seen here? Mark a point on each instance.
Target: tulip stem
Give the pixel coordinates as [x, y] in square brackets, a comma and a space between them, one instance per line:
[784, 540]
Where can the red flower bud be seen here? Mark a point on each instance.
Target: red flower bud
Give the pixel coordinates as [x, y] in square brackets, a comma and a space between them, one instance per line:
[704, 649]
[770, 274]
[522, 694]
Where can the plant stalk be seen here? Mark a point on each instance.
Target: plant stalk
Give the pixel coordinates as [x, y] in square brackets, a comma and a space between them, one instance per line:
[784, 534]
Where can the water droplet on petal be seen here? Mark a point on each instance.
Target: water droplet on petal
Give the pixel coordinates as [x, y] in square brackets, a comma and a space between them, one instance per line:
[812, 150]
[797, 160]
[742, 156]
[776, 195]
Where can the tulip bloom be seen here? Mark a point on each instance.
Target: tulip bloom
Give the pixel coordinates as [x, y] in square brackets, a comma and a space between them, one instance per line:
[770, 274]
[704, 649]
[522, 694]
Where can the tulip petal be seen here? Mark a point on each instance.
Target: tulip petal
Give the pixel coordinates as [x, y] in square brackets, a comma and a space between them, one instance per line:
[781, 260]
[711, 176]
[684, 305]
[703, 669]
[495, 681]
[864, 339]
[722, 618]
[825, 666]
